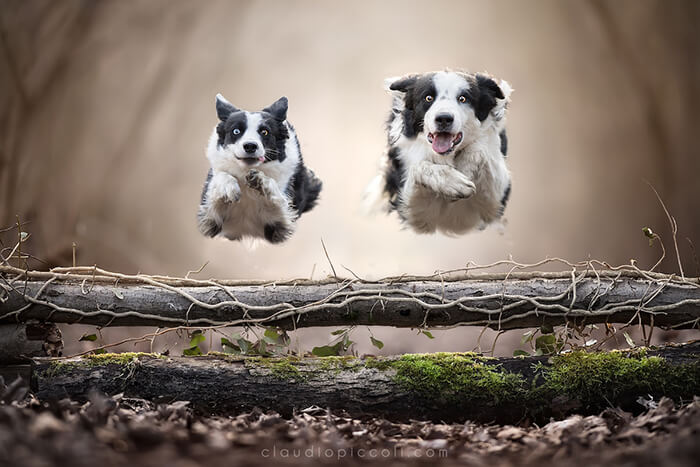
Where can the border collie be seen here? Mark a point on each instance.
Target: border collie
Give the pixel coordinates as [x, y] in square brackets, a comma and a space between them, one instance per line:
[257, 185]
[445, 169]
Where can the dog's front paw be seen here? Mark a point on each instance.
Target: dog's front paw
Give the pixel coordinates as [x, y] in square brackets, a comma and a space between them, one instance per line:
[225, 189]
[231, 191]
[459, 187]
[256, 181]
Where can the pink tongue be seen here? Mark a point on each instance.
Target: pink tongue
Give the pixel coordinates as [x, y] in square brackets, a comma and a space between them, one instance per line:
[442, 142]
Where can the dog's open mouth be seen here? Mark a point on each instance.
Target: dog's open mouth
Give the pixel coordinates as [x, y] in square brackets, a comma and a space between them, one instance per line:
[443, 142]
[251, 160]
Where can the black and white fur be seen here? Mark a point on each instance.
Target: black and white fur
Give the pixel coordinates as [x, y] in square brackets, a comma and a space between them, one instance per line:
[258, 184]
[445, 169]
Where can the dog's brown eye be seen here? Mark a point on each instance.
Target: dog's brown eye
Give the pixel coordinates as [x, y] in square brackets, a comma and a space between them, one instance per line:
[264, 132]
[428, 98]
[462, 99]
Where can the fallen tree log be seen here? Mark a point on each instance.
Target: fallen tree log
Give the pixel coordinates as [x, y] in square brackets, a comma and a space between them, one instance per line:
[20, 341]
[500, 302]
[448, 387]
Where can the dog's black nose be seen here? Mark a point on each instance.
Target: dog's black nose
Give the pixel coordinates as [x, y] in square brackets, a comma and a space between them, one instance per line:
[444, 119]
[250, 148]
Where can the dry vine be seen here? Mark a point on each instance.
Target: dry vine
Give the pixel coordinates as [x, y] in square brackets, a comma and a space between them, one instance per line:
[349, 291]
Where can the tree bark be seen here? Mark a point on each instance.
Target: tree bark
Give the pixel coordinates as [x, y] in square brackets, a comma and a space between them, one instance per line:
[18, 342]
[496, 303]
[511, 390]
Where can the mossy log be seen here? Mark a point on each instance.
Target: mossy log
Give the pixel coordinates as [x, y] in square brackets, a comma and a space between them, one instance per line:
[443, 386]
[502, 303]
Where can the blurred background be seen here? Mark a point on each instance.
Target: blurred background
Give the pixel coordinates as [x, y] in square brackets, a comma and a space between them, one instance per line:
[106, 107]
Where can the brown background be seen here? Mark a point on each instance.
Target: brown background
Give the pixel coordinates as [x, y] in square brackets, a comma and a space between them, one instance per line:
[107, 107]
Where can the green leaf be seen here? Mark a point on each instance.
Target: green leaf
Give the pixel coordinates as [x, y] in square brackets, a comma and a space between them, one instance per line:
[338, 332]
[244, 344]
[629, 340]
[547, 344]
[527, 337]
[225, 342]
[346, 342]
[192, 351]
[230, 347]
[327, 350]
[546, 328]
[271, 336]
[98, 351]
[23, 236]
[197, 338]
[88, 337]
[521, 353]
[538, 352]
[260, 348]
[376, 342]
[429, 334]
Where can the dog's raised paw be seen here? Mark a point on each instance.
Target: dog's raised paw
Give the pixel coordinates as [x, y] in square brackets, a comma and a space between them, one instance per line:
[254, 179]
[232, 193]
[460, 188]
[225, 189]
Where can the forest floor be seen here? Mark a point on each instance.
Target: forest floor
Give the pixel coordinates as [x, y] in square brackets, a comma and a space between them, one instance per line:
[116, 431]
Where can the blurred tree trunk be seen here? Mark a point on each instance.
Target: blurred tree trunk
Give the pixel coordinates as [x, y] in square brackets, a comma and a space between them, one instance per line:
[656, 45]
[37, 41]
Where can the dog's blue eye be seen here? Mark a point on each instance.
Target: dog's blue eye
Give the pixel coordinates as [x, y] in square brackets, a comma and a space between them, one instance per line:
[236, 131]
[462, 99]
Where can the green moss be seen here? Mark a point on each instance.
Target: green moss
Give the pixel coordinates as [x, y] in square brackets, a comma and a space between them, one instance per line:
[594, 378]
[126, 359]
[118, 358]
[454, 377]
[590, 379]
[335, 365]
[282, 368]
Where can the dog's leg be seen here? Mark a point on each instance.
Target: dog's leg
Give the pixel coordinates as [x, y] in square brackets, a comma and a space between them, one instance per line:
[443, 180]
[222, 189]
[282, 226]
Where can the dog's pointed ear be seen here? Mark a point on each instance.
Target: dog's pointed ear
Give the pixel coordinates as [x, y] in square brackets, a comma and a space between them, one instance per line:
[401, 84]
[278, 109]
[489, 91]
[224, 108]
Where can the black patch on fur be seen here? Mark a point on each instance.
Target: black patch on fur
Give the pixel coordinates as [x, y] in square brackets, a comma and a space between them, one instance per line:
[210, 174]
[276, 139]
[224, 109]
[504, 142]
[483, 96]
[394, 177]
[504, 199]
[403, 84]
[415, 105]
[207, 226]
[278, 109]
[303, 189]
[276, 233]
[225, 129]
